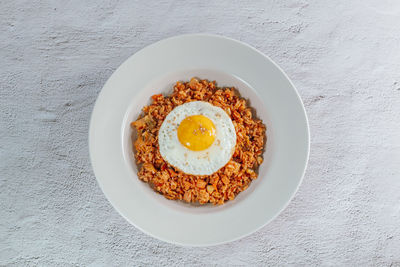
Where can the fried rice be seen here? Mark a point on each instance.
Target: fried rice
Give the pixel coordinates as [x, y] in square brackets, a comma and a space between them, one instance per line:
[227, 182]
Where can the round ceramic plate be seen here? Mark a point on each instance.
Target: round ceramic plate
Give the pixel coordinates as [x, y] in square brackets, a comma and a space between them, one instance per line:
[155, 69]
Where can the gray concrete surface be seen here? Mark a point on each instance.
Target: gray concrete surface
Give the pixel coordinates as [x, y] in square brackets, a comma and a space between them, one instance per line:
[344, 58]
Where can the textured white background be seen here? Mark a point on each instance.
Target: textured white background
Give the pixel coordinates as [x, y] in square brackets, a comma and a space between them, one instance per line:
[343, 56]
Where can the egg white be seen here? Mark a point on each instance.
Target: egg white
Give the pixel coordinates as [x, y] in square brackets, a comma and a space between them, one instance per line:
[204, 162]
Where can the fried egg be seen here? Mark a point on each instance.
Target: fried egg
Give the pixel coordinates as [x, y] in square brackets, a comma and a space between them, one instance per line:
[197, 138]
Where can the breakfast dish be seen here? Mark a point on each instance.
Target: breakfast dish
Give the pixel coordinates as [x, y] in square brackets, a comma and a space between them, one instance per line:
[265, 88]
[201, 144]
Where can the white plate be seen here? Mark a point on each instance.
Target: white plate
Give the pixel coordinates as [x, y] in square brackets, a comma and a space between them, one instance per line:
[155, 69]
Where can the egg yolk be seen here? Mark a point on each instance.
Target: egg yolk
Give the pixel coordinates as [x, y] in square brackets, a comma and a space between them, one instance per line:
[196, 132]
